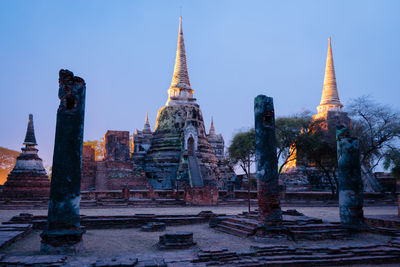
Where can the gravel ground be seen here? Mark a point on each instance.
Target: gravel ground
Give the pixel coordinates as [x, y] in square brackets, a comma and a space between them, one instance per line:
[114, 242]
[111, 243]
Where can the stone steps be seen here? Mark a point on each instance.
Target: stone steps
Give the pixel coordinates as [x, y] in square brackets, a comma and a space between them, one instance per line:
[238, 226]
[243, 221]
[332, 261]
[299, 227]
[281, 255]
[320, 234]
[232, 231]
[176, 240]
[319, 226]
[290, 219]
[395, 241]
[195, 173]
[12, 233]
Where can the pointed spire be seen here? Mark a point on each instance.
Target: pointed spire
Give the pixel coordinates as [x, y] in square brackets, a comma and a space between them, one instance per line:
[30, 139]
[212, 129]
[330, 96]
[146, 127]
[180, 88]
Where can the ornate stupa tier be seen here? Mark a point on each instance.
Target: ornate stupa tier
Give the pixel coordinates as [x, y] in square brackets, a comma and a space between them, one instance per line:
[180, 90]
[179, 132]
[180, 153]
[330, 97]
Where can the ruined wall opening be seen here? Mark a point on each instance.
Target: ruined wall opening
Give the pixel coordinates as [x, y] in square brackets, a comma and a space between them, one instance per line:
[190, 146]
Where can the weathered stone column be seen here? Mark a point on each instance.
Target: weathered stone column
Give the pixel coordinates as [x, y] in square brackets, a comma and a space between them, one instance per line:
[63, 232]
[350, 183]
[269, 209]
[398, 194]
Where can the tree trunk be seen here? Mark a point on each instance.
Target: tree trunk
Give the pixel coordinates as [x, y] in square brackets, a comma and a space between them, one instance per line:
[329, 179]
[336, 181]
[249, 184]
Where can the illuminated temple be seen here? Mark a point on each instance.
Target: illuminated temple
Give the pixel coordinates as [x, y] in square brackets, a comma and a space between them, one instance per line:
[330, 110]
[178, 153]
[330, 113]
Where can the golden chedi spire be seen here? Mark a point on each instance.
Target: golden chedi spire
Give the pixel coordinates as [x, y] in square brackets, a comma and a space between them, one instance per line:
[180, 90]
[330, 96]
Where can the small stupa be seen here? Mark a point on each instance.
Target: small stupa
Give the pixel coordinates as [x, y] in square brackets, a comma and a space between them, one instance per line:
[28, 180]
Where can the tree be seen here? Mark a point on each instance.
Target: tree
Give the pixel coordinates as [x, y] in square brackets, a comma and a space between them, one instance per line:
[377, 127]
[288, 130]
[241, 153]
[319, 152]
[392, 161]
[98, 146]
[301, 138]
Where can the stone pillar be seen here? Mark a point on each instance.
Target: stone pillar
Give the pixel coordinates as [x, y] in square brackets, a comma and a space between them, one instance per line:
[269, 209]
[63, 232]
[398, 194]
[350, 183]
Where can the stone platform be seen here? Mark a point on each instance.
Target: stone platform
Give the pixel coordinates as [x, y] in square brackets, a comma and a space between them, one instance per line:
[282, 255]
[262, 255]
[298, 226]
[176, 240]
[115, 222]
[384, 222]
[12, 233]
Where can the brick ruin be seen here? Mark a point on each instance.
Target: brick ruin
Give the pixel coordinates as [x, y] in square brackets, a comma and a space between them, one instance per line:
[179, 153]
[116, 170]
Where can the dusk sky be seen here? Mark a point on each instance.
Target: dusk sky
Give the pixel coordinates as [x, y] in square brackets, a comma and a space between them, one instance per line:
[125, 51]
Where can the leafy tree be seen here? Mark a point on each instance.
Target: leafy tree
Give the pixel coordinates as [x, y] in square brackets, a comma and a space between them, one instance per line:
[392, 161]
[319, 152]
[242, 152]
[98, 146]
[301, 138]
[288, 130]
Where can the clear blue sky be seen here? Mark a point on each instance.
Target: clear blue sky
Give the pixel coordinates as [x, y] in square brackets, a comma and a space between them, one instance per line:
[125, 51]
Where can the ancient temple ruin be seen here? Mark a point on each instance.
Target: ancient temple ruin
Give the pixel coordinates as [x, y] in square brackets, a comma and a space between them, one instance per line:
[330, 114]
[330, 111]
[28, 180]
[178, 153]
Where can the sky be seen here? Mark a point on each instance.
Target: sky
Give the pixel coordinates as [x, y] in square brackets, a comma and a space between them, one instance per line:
[125, 51]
